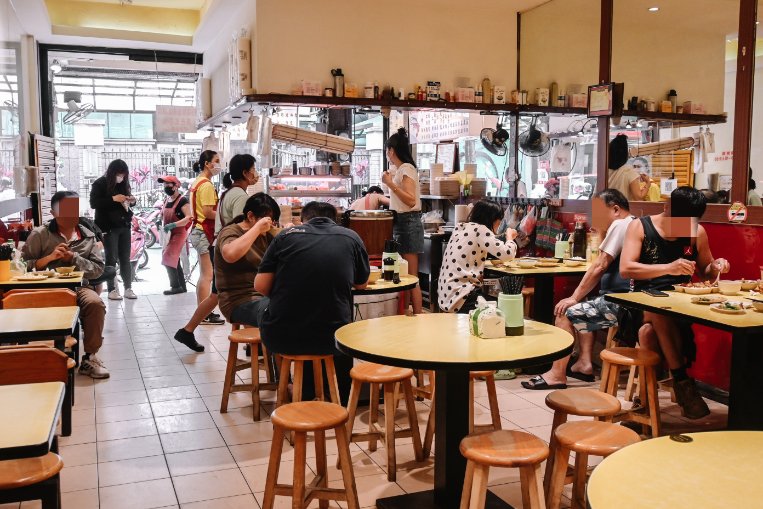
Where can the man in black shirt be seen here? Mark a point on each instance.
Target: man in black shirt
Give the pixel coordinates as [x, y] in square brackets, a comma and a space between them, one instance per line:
[309, 272]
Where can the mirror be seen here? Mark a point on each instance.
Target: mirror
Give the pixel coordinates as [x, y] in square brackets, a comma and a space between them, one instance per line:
[755, 186]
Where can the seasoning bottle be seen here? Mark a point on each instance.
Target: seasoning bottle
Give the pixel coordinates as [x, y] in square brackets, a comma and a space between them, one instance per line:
[377, 94]
[553, 94]
[388, 266]
[338, 82]
[478, 95]
[579, 239]
[673, 98]
[487, 91]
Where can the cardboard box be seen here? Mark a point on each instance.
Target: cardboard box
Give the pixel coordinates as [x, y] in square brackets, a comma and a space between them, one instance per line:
[579, 100]
[465, 95]
[694, 108]
[310, 87]
[666, 107]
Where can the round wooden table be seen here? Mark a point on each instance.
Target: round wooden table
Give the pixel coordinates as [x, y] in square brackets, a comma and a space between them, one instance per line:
[380, 286]
[442, 342]
[713, 470]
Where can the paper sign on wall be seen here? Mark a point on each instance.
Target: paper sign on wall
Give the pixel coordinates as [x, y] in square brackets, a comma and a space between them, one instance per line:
[175, 119]
[667, 186]
[737, 212]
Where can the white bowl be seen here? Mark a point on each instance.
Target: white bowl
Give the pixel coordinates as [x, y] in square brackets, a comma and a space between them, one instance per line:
[526, 264]
[729, 287]
[574, 263]
[697, 291]
[748, 284]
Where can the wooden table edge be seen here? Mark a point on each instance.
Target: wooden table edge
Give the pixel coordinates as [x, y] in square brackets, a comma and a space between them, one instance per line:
[390, 289]
[32, 451]
[53, 332]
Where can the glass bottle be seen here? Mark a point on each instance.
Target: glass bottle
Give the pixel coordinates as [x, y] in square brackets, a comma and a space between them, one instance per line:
[388, 266]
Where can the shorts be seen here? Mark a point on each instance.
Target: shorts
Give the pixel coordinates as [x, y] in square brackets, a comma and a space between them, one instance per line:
[409, 232]
[199, 241]
[593, 315]
[250, 313]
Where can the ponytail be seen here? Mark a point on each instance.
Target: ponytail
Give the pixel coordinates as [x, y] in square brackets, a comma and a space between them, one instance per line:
[227, 181]
[400, 143]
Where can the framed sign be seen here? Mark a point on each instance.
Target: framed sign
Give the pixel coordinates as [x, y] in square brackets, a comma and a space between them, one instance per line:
[446, 154]
[600, 100]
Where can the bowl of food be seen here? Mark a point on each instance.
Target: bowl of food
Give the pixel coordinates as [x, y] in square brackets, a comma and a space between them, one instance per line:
[526, 263]
[374, 276]
[749, 284]
[698, 290]
[65, 270]
[757, 305]
[574, 262]
[729, 287]
[730, 308]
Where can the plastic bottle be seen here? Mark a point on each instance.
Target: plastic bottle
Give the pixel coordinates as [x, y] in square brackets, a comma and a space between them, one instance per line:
[478, 95]
[487, 91]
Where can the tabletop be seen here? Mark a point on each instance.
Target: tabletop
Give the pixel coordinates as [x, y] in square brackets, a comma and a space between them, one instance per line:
[30, 414]
[51, 282]
[380, 286]
[36, 322]
[714, 470]
[560, 269]
[679, 303]
[442, 340]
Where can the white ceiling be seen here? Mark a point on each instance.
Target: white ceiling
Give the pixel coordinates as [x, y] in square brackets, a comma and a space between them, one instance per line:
[167, 4]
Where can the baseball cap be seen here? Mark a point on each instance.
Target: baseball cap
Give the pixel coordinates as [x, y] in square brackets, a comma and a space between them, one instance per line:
[170, 179]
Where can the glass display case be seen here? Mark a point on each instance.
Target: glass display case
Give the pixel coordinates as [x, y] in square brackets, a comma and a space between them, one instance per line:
[335, 189]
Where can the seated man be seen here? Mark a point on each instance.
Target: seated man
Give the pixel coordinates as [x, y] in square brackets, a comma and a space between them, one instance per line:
[661, 251]
[586, 317]
[309, 272]
[67, 241]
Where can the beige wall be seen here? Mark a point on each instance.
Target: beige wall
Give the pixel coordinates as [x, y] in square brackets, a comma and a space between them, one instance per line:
[560, 42]
[400, 42]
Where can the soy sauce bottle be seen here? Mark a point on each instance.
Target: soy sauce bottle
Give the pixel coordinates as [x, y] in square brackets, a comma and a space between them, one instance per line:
[388, 266]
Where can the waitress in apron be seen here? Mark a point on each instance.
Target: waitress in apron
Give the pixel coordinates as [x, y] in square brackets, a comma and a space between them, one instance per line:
[176, 217]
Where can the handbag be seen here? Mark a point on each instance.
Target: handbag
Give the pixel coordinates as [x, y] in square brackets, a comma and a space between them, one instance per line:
[207, 225]
[548, 230]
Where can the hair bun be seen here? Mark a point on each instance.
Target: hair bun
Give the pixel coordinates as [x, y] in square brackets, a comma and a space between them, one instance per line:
[402, 132]
[196, 167]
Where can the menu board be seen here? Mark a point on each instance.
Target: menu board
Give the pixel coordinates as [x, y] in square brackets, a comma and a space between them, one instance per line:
[45, 161]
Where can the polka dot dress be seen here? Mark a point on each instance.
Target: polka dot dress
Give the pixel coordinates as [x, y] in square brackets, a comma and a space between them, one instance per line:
[464, 261]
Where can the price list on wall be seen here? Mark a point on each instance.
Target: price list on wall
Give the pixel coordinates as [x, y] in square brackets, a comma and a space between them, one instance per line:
[45, 161]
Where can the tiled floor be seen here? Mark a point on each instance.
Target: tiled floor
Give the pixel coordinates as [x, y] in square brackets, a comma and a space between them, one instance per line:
[152, 436]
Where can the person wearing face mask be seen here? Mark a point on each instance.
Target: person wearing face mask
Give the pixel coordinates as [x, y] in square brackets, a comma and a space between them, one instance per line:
[241, 174]
[405, 200]
[176, 217]
[111, 199]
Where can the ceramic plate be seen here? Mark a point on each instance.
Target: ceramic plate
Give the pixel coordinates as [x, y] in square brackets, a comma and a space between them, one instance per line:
[67, 276]
[698, 291]
[30, 278]
[547, 264]
[720, 309]
[711, 299]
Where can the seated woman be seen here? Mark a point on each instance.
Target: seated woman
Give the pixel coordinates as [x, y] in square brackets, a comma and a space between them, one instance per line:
[372, 199]
[240, 248]
[464, 259]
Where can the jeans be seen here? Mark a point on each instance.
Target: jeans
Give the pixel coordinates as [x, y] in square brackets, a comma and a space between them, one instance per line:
[116, 243]
[177, 278]
[92, 313]
[249, 313]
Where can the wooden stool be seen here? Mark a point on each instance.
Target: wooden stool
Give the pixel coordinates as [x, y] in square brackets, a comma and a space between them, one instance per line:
[581, 402]
[32, 479]
[584, 438]
[250, 336]
[388, 378]
[495, 415]
[507, 449]
[302, 418]
[615, 359]
[299, 364]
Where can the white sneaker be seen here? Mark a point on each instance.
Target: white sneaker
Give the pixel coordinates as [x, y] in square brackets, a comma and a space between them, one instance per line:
[114, 295]
[93, 367]
[129, 294]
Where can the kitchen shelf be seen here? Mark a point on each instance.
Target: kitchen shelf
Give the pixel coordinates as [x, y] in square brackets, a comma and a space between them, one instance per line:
[287, 193]
[311, 177]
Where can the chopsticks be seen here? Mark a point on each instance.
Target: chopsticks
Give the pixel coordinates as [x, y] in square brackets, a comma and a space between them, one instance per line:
[512, 284]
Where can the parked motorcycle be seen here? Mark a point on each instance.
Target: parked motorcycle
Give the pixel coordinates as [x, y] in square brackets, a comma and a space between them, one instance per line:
[152, 220]
[138, 253]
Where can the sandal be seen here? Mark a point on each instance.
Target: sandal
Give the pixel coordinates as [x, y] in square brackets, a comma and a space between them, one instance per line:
[584, 377]
[537, 383]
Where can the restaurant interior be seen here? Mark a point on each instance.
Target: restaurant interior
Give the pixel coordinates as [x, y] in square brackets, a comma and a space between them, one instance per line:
[537, 123]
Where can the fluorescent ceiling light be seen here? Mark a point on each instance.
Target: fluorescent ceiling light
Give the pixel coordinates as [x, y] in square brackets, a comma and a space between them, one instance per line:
[654, 9]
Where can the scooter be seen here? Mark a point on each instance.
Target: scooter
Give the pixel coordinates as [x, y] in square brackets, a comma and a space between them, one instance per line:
[152, 220]
[138, 254]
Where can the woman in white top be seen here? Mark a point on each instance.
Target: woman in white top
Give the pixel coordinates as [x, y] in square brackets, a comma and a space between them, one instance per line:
[372, 199]
[464, 260]
[405, 200]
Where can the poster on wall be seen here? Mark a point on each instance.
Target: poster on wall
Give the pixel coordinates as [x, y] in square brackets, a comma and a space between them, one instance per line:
[175, 119]
[433, 127]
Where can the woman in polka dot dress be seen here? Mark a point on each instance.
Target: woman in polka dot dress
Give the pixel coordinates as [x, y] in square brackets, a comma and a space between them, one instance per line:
[461, 272]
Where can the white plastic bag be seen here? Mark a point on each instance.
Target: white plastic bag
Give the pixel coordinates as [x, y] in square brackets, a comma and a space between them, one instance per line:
[486, 321]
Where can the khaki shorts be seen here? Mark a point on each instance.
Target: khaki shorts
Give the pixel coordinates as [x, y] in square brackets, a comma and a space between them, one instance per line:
[199, 241]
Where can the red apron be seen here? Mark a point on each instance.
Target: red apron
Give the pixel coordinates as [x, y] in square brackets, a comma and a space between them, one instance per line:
[176, 242]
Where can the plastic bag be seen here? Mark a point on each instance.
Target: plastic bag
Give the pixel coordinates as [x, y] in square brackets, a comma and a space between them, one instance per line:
[527, 225]
[434, 216]
[486, 321]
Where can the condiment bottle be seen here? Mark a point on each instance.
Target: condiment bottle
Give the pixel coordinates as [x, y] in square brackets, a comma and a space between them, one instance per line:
[487, 91]
[338, 82]
[553, 94]
[673, 98]
[388, 265]
[579, 238]
[478, 95]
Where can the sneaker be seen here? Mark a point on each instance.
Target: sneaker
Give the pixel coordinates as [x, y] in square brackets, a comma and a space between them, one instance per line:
[129, 294]
[505, 374]
[174, 291]
[691, 403]
[93, 367]
[115, 295]
[187, 338]
[213, 319]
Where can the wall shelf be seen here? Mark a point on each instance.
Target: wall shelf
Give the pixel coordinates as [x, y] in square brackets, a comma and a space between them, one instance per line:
[286, 193]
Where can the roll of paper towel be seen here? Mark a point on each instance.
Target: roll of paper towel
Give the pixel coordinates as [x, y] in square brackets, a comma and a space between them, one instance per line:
[462, 213]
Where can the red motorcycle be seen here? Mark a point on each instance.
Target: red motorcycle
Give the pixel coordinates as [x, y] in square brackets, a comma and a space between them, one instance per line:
[152, 222]
[138, 253]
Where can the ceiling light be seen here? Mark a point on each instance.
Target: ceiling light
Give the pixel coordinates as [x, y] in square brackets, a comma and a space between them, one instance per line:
[653, 9]
[55, 67]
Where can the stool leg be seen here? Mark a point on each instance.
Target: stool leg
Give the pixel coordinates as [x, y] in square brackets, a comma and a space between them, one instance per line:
[318, 379]
[373, 414]
[559, 419]
[283, 382]
[274, 464]
[561, 459]
[300, 459]
[332, 381]
[255, 364]
[389, 430]
[230, 373]
[343, 447]
[466, 492]
[630, 388]
[429, 433]
[299, 367]
[352, 407]
[479, 487]
[266, 364]
[578, 484]
[604, 376]
[654, 402]
[321, 465]
[492, 397]
[413, 420]
[532, 489]
[471, 405]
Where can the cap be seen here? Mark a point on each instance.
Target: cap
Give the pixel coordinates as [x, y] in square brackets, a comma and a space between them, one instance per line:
[169, 179]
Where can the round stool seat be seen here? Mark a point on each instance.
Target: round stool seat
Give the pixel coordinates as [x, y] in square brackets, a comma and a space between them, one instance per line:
[309, 416]
[480, 374]
[25, 472]
[504, 448]
[70, 363]
[630, 356]
[583, 402]
[250, 335]
[379, 374]
[595, 437]
[306, 357]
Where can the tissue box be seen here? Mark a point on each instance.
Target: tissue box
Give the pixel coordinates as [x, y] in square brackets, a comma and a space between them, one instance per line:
[465, 95]
[486, 321]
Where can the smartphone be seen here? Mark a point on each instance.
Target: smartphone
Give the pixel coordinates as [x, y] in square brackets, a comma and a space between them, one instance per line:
[654, 293]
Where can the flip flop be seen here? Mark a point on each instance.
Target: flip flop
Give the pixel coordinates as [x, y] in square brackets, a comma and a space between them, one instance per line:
[584, 377]
[537, 383]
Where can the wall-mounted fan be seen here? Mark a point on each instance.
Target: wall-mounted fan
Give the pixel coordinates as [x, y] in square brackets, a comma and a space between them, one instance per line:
[494, 140]
[77, 110]
[534, 142]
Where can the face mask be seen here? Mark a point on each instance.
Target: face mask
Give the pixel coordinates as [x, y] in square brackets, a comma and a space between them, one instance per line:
[216, 167]
[169, 191]
[120, 179]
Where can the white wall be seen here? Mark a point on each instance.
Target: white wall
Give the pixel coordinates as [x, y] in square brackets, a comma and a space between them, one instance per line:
[399, 42]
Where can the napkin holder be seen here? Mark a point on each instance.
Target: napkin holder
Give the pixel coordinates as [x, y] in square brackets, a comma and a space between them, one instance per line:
[512, 308]
[486, 320]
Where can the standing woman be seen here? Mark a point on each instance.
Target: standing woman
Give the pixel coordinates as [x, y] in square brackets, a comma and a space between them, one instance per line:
[404, 197]
[176, 217]
[110, 197]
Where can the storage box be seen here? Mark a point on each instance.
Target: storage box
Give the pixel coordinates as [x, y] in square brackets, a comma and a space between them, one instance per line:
[465, 95]
[666, 107]
[310, 87]
[499, 94]
[478, 188]
[579, 100]
[443, 186]
[694, 108]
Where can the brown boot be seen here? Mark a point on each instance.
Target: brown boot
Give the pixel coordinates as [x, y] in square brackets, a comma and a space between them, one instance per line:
[687, 396]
